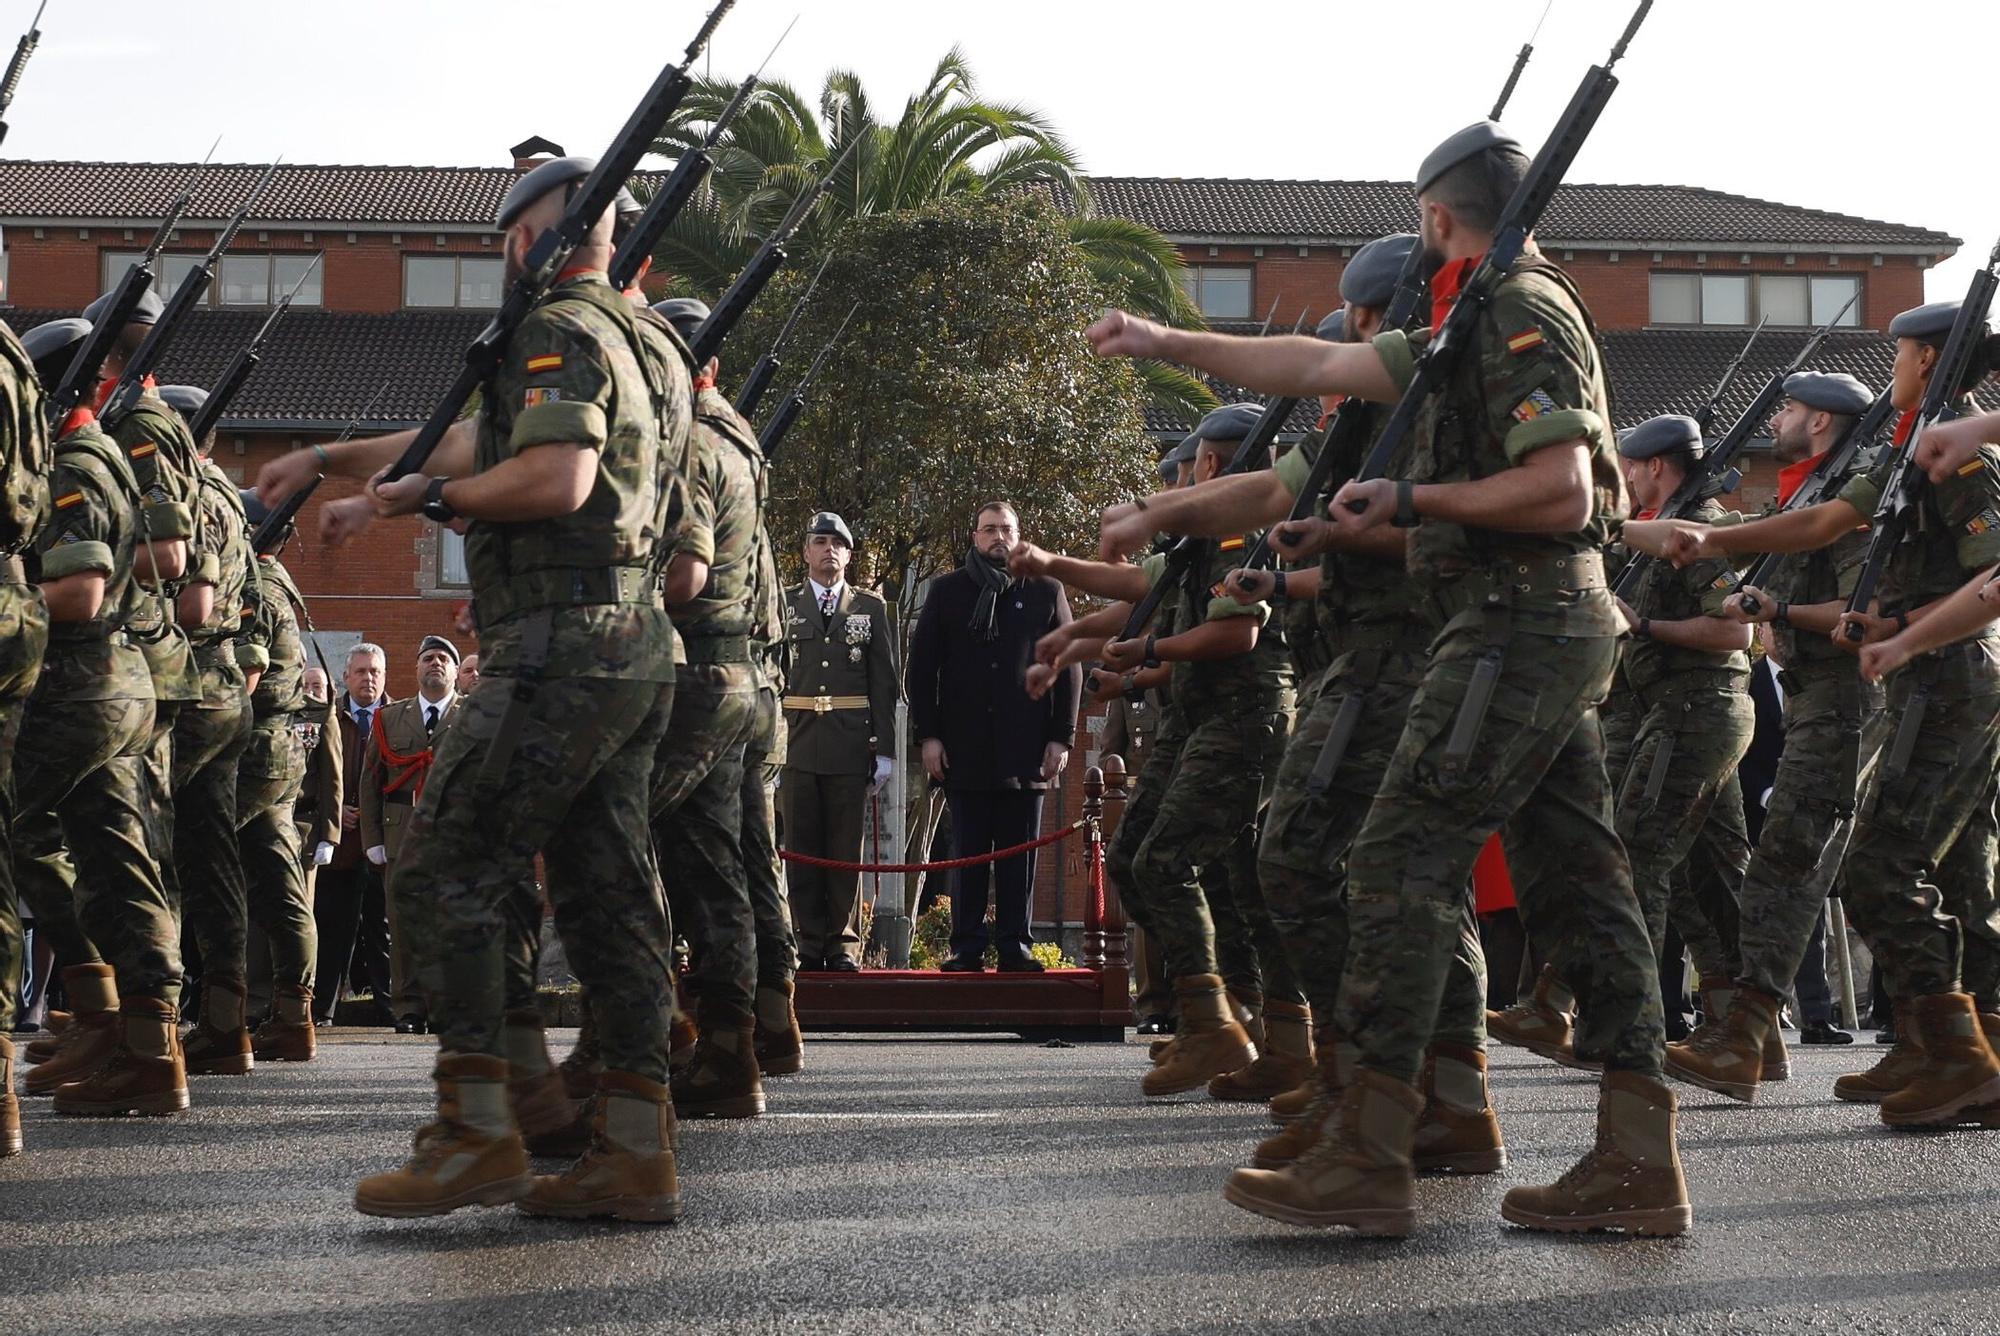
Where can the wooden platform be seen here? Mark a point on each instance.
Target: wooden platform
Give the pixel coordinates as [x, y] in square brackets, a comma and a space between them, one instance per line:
[1077, 1004]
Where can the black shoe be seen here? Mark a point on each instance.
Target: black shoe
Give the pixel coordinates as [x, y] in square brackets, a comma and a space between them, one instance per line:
[1887, 1034]
[1021, 965]
[808, 963]
[1157, 1023]
[842, 965]
[410, 1025]
[963, 965]
[1824, 1032]
[1677, 1027]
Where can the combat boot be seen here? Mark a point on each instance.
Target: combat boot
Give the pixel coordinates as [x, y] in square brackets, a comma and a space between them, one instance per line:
[580, 1068]
[1458, 1132]
[471, 1156]
[219, 1043]
[1290, 1106]
[1629, 1182]
[1248, 1010]
[1728, 1057]
[41, 1050]
[722, 1081]
[627, 1172]
[1208, 1042]
[781, 1048]
[1897, 1068]
[684, 1032]
[551, 1123]
[1284, 1060]
[89, 1037]
[1541, 1021]
[1718, 1004]
[288, 1035]
[1985, 1115]
[1358, 1175]
[89, 988]
[1332, 1070]
[1959, 1071]
[144, 1074]
[10, 1106]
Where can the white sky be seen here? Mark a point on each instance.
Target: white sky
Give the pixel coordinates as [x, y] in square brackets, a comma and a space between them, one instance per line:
[1802, 101]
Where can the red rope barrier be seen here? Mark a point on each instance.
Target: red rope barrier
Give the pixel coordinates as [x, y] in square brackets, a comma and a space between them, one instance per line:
[842, 865]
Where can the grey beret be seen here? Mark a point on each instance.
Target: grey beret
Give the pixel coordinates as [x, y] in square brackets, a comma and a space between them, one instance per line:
[437, 642]
[685, 314]
[1472, 140]
[55, 338]
[1661, 436]
[1829, 391]
[1184, 452]
[1169, 470]
[254, 509]
[1231, 422]
[537, 182]
[149, 310]
[1332, 328]
[1931, 323]
[1370, 277]
[184, 399]
[828, 522]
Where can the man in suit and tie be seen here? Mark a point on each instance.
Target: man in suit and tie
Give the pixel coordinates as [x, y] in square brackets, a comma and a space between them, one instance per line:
[347, 902]
[395, 758]
[840, 721]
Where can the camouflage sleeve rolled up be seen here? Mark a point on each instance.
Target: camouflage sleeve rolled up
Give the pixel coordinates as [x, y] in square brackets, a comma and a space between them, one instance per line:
[566, 386]
[696, 537]
[76, 534]
[1541, 369]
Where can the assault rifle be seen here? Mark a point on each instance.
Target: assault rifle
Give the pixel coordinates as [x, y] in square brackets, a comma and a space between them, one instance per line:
[1706, 413]
[19, 64]
[794, 403]
[1859, 436]
[81, 376]
[1716, 471]
[766, 370]
[1903, 491]
[546, 258]
[132, 380]
[269, 535]
[245, 361]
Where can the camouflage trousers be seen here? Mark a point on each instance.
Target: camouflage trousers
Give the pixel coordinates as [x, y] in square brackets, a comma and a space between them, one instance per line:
[24, 632]
[1704, 902]
[268, 780]
[80, 842]
[1828, 709]
[763, 870]
[697, 829]
[1535, 774]
[1919, 877]
[574, 789]
[1302, 858]
[208, 866]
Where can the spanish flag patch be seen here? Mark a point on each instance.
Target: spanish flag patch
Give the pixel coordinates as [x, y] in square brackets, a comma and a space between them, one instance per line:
[546, 362]
[1521, 343]
[1971, 466]
[73, 499]
[144, 449]
[1229, 544]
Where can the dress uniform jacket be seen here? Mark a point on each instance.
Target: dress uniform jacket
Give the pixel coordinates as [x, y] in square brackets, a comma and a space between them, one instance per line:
[840, 704]
[389, 789]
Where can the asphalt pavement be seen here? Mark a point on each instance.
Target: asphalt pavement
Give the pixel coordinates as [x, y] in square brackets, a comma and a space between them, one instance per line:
[976, 1185]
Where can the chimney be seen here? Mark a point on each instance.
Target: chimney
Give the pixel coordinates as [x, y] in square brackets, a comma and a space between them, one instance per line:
[533, 151]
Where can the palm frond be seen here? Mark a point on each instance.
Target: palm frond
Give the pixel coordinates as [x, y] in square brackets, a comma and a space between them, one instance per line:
[1144, 264]
[1173, 390]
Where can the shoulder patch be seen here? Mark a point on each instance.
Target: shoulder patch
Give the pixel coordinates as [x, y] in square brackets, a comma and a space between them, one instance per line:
[1536, 404]
[546, 362]
[1986, 519]
[1524, 342]
[73, 499]
[546, 394]
[1230, 544]
[143, 449]
[1971, 466]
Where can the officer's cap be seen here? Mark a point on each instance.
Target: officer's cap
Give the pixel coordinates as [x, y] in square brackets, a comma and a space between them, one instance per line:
[1829, 391]
[1668, 434]
[685, 314]
[539, 181]
[1370, 277]
[184, 399]
[1927, 324]
[437, 642]
[148, 311]
[828, 522]
[254, 508]
[1332, 328]
[1473, 140]
[1231, 422]
[56, 339]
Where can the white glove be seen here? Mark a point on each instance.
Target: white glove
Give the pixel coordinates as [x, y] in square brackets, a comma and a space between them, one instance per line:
[883, 767]
[322, 854]
[378, 855]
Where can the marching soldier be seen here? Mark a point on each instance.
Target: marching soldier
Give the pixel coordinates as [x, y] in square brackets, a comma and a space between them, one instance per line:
[840, 721]
[780, 1045]
[315, 818]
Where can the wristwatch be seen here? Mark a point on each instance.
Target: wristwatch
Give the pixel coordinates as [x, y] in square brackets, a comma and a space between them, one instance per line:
[1133, 694]
[1406, 505]
[1782, 617]
[435, 506]
[1151, 660]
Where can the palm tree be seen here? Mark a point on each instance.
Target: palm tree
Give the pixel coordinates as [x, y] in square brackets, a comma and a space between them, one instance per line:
[948, 141]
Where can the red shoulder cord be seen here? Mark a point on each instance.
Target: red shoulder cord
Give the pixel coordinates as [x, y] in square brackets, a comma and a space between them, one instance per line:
[408, 771]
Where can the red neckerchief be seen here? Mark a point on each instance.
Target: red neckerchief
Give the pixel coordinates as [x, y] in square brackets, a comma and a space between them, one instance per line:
[703, 382]
[77, 419]
[578, 271]
[1650, 512]
[1447, 283]
[1793, 476]
[409, 771]
[104, 388]
[1906, 422]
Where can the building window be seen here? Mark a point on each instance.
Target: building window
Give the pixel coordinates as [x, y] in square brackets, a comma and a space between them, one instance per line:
[451, 280]
[1220, 294]
[1798, 300]
[240, 280]
[452, 570]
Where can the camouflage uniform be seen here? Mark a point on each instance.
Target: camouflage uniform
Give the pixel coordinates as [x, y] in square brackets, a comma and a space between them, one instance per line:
[585, 725]
[271, 775]
[78, 768]
[1919, 880]
[24, 619]
[1535, 608]
[763, 759]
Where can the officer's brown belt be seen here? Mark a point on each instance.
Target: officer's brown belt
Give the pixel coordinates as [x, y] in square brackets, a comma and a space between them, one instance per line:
[825, 704]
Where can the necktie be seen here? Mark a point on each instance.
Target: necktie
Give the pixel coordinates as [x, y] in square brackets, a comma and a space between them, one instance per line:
[430, 718]
[364, 717]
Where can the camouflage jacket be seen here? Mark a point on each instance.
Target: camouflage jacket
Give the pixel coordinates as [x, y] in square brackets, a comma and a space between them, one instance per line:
[161, 452]
[1245, 686]
[1668, 593]
[1954, 534]
[273, 632]
[724, 528]
[93, 526]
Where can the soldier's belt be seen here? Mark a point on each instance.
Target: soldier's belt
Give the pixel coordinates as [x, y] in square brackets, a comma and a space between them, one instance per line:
[717, 648]
[1550, 575]
[215, 653]
[564, 587]
[826, 704]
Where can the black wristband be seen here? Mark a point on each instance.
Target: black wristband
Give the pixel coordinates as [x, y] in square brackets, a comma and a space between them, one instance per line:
[1278, 586]
[435, 506]
[1644, 630]
[1783, 616]
[1150, 659]
[1902, 621]
[1406, 504]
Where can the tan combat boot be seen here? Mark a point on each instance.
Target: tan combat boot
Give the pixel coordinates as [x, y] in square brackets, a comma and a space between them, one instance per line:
[1209, 1042]
[1630, 1182]
[1985, 1115]
[1332, 1071]
[580, 1068]
[1290, 1106]
[781, 1047]
[41, 1050]
[471, 1156]
[1959, 1071]
[10, 1107]
[219, 1044]
[89, 988]
[1718, 1003]
[91, 1034]
[627, 1172]
[288, 1035]
[1728, 1057]
[1898, 1067]
[144, 1074]
[1541, 1021]
[1458, 1132]
[1357, 1176]
[722, 1081]
[684, 1033]
[551, 1123]
[1284, 1059]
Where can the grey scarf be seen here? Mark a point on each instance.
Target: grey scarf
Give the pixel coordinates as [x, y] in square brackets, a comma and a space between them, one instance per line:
[991, 577]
